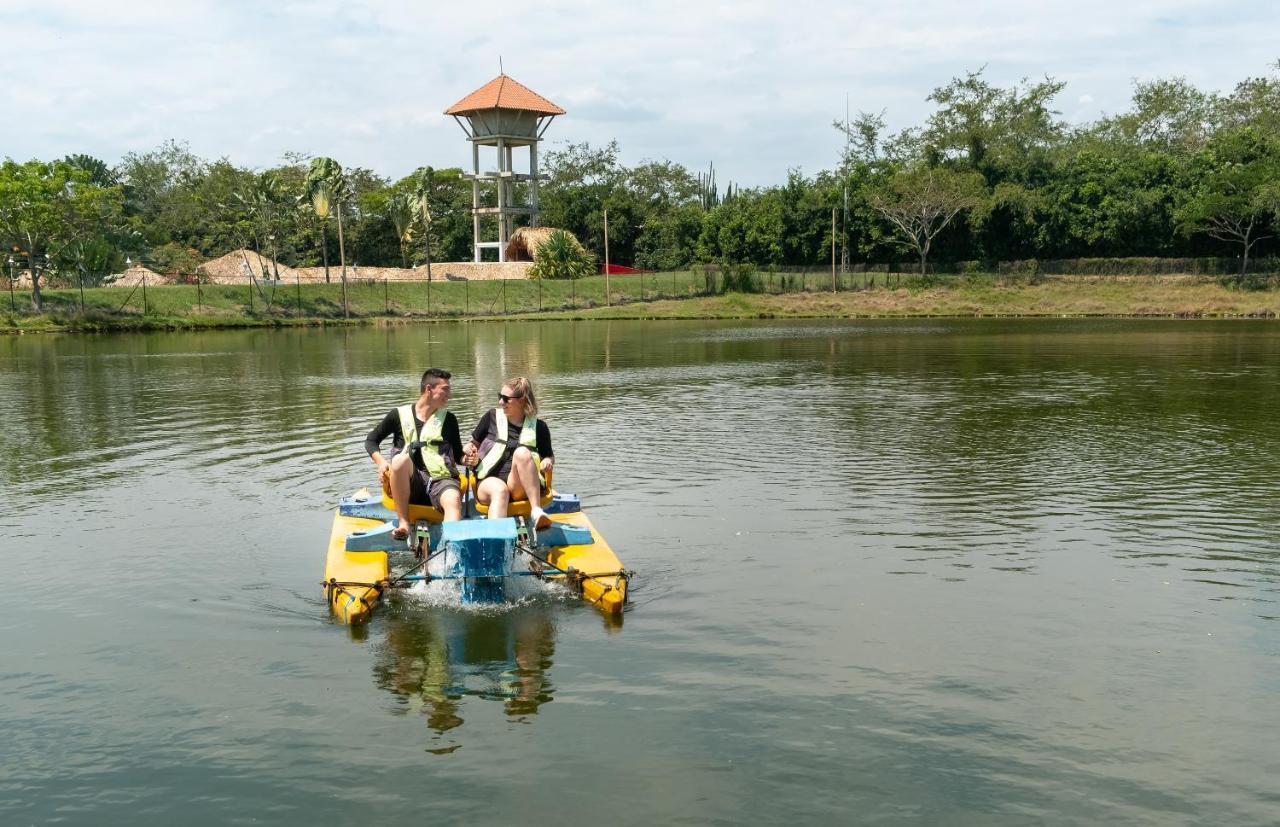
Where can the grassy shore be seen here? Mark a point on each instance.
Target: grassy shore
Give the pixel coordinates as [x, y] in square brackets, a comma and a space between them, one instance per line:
[665, 296]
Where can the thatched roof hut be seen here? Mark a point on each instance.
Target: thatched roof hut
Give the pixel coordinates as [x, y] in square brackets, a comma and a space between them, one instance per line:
[525, 242]
[230, 269]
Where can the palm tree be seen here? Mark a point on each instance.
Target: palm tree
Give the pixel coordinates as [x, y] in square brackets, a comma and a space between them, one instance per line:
[401, 207]
[319, 191]
[327, 188]
[422, 198]
[561, 257]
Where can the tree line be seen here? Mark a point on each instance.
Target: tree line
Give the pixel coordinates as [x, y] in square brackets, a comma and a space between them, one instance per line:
[993, 174]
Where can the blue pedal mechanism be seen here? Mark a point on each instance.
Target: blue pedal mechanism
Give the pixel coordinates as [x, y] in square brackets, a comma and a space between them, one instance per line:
[564, 504]
[375, 539]
[564, 534]
[479, 553]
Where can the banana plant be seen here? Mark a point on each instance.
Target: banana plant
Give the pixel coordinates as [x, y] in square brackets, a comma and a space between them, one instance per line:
[327, 188]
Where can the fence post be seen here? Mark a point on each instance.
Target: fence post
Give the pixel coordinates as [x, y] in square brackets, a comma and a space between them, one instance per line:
[144, 294]
[386, 299]
[606, 258]
[467, 298]
[833, 249]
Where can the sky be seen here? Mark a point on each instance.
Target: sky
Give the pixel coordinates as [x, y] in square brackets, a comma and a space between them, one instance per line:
[752, 87]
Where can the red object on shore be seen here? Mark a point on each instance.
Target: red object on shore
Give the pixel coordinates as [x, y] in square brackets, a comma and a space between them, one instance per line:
[619, 270]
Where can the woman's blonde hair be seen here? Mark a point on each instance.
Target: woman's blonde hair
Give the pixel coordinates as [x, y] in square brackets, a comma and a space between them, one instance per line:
[522, 387]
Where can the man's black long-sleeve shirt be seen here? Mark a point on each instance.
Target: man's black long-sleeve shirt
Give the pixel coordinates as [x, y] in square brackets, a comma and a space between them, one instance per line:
[451, 450]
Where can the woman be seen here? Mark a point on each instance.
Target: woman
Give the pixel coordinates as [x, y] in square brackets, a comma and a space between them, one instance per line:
[511, 449]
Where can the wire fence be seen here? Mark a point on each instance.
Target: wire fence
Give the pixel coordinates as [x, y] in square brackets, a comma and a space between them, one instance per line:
[477, 298]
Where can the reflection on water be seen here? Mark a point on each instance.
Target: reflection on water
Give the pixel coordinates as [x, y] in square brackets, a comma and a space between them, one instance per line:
[433, 659]
[941, 571]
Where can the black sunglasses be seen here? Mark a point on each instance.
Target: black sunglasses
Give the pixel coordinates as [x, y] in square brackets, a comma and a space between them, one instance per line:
[502, 397]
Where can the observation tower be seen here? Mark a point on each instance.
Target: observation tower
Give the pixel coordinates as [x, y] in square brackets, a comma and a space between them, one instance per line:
[503, 114]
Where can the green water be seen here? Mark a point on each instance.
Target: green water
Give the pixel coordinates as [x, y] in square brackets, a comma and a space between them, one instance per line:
[970, 572]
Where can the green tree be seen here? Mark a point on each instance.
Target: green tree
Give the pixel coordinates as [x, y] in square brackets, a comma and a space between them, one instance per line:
[1004, 134]
[327, 189]
[322, 184]
[161, 199]
[1235, 198]
[48, 209]
[581, 182]
[402, 209]
[920, 201]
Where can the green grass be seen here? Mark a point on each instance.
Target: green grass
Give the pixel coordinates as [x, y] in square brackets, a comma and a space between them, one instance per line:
[665, 295]
[237, 305]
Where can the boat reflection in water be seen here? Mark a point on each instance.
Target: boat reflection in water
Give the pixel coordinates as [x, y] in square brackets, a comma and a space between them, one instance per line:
[433, 660]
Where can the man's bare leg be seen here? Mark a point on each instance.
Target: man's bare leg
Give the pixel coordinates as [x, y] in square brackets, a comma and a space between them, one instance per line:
[451, 504]
[401, 468]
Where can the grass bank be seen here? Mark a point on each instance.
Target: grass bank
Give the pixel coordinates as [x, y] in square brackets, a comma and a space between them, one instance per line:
[660, 296]
[1129, 298]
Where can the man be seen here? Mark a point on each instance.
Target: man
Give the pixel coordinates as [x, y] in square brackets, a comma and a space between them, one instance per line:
[426, 445]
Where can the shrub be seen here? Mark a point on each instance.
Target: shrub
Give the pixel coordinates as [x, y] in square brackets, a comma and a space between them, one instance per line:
[561, 257]
[739, 278]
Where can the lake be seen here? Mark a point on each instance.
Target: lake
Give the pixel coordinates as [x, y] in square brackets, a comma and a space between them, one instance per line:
[949, 571]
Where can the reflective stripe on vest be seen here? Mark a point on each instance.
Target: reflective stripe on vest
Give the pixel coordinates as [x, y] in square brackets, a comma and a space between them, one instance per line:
[431, 438]
[528, 438]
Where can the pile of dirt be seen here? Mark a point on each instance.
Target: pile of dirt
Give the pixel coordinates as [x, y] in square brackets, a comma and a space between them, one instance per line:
[480, 271]
[465, 270]
[134, 276]
[235, 266]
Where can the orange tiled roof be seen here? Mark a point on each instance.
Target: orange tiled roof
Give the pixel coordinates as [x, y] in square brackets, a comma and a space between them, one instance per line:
[504, 93]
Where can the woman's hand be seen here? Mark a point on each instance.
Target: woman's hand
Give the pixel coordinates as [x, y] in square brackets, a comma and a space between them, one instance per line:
[545, 465]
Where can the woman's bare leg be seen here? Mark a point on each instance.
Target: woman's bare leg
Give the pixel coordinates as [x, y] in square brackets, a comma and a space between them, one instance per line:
[493, 493]
[523, 479]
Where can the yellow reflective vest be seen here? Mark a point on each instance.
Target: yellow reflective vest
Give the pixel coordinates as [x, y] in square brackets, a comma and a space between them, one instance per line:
[431, 438]
[528, 438]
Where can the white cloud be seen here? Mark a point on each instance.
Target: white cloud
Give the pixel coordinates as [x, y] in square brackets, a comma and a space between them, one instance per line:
[752, 85]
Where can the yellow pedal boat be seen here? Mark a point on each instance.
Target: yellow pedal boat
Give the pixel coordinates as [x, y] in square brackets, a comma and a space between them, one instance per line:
[478, 552]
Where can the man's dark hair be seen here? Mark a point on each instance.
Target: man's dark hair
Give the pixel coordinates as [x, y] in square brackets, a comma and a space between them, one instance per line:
[430, 375]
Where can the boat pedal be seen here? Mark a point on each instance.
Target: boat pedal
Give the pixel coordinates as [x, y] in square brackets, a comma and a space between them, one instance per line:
[564, 504]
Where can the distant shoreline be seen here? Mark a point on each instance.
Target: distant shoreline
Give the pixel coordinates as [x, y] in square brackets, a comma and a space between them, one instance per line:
[171, 308]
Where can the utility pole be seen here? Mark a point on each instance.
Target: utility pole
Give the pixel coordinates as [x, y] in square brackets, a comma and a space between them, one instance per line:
[844, 175]
[606, 258]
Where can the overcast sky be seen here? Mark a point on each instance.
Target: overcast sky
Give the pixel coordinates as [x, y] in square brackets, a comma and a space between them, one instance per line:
[752, 86]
